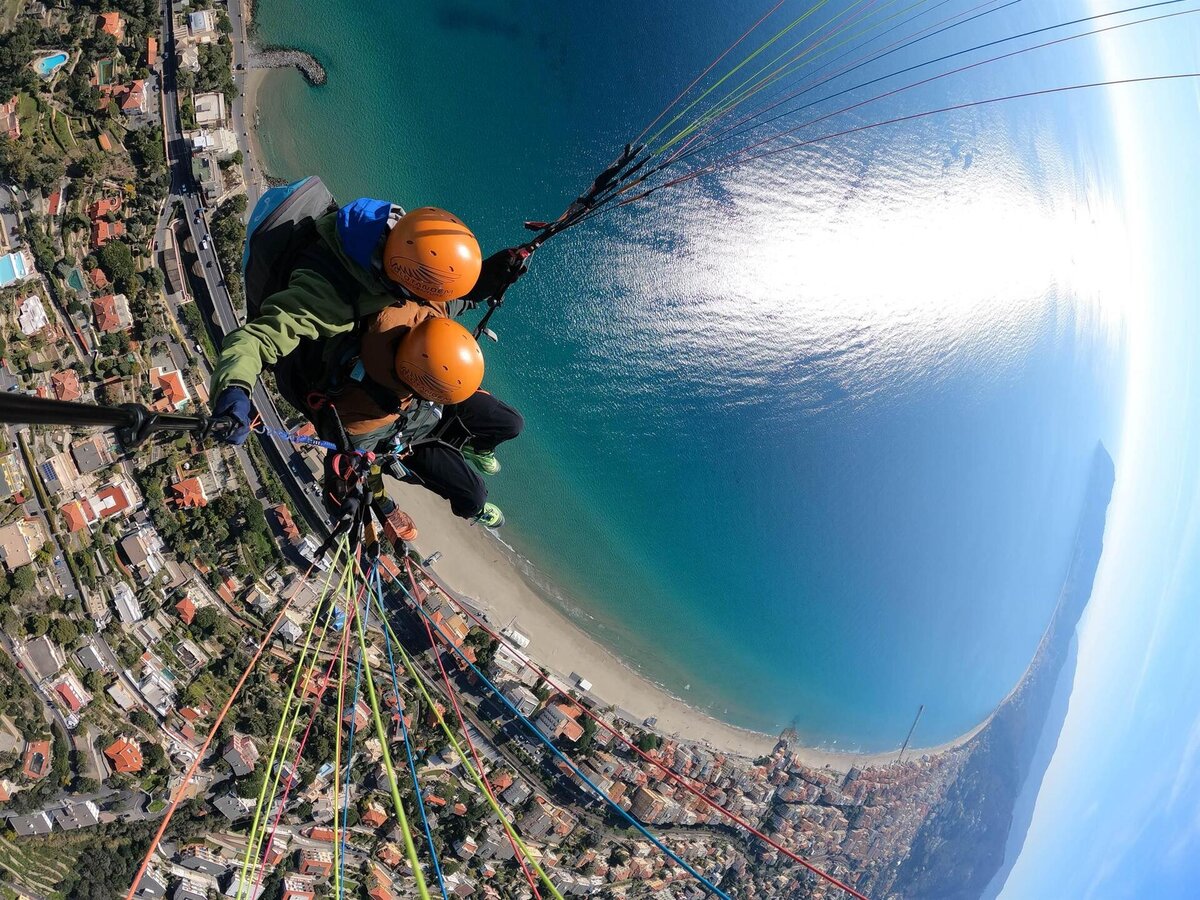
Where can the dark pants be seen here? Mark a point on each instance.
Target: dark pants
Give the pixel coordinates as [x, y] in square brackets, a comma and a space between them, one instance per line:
[481, 421]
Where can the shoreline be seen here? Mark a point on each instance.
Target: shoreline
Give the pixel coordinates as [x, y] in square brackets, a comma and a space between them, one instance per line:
[478, 566]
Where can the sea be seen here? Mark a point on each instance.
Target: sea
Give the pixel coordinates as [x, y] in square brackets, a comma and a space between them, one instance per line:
[806, 438]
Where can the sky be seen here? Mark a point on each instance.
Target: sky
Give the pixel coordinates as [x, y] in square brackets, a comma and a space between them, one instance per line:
[1118, 814]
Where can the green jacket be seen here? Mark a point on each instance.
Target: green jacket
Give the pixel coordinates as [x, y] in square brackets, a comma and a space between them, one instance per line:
[309, 307]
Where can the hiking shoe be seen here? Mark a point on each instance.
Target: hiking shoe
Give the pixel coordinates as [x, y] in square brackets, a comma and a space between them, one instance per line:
[491, 517]
[485, 463]
[398, 526]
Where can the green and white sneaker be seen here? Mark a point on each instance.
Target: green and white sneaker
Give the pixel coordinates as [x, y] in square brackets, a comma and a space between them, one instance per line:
[491, 517]
[485, 463]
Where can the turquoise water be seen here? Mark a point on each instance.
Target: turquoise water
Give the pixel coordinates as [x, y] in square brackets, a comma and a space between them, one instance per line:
[47, 65]
[12, 268]
[806, 441]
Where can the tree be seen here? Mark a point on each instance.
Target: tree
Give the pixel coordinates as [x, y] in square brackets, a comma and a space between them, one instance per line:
[64, 631]
[207, 619]
[23, 581]
[95, 682]
[143, 720]
[117, 262]
[36, 626]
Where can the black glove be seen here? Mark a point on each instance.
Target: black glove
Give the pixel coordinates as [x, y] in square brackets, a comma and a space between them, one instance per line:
[231, 416]
[499, 272]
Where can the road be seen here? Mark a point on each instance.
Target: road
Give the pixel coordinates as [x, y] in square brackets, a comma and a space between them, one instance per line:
[238, 17]
[222, 316]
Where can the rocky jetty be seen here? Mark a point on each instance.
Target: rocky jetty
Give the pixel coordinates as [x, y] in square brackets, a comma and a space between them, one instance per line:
[309, 66]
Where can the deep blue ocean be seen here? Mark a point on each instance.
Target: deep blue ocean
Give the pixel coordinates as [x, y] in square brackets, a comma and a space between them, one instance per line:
[807, 439]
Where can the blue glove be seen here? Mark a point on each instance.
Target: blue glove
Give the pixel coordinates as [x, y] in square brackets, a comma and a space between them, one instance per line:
[231, 416]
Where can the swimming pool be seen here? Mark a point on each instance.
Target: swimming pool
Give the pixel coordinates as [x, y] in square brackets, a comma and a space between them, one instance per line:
[48, 65]
[12, 269]
[75, 280]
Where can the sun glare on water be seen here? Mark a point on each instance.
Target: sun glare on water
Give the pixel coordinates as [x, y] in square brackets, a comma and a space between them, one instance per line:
[893, 274]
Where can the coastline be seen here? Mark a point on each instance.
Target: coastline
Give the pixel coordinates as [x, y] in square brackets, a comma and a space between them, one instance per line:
[478, 566]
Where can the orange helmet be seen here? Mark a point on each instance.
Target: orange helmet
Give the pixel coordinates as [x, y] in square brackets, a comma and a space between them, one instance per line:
[440, 361]
[433, 255]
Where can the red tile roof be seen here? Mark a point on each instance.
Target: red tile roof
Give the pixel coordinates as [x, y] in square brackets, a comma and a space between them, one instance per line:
[54, 204]
[374, 816]
[126, 756]
[134, 96]
[286, 522]
[120, 500]
[105, 310]
[75, 515]
[104, 231]
[171, 384]
[68, 697]
[66, 385]
[103, 207]
[151, 51]
[189, 494]
[110, 23]
[186, 609]
[105, 142]
[36, 764]
[99, 279]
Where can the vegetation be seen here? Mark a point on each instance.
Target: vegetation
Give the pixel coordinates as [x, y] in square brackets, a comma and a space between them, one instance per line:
[229, 235]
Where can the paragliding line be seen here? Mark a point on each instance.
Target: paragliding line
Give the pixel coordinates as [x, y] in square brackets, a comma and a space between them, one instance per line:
[616, 808]
[408, 752]
[410, 848]
[418, 679]
[683, 781]
[212, 733]
[462, 723]
[288, 719]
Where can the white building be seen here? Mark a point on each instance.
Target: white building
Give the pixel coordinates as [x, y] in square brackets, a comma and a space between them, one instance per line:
[32, 317]
[210, 109]
[221, 141]
[128, 609]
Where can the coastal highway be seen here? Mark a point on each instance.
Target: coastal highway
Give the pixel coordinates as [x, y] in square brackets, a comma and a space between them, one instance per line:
[223, 317]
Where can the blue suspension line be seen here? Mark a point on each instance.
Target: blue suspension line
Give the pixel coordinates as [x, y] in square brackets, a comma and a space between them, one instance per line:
[560, 755]
[412, 765]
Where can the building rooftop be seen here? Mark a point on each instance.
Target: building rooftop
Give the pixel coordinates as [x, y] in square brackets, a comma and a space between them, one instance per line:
[126, 755]
[91, 454]
[66, 385]
[20, 541]
[36, 762]
[32, 317]
[189, 493]
[186, 609]
[112, 23]
[77, 515]
[174, 391]
[112, 312]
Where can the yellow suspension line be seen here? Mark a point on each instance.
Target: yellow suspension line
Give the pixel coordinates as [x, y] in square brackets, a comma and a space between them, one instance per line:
[730, 73]
[741, 93]
[253, 838]
[338, 887]
[741, 89]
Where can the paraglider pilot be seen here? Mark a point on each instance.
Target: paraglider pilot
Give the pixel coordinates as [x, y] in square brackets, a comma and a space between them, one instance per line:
[364, 324]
